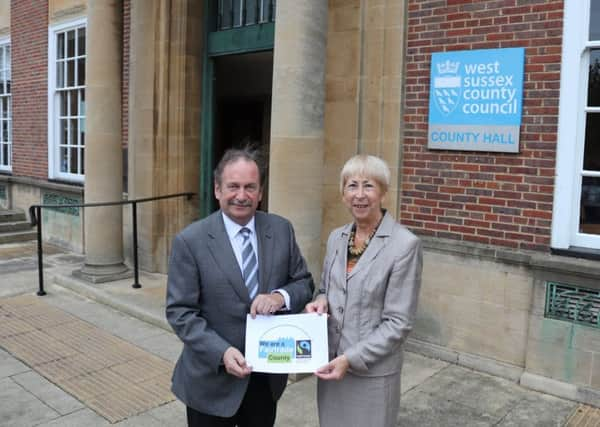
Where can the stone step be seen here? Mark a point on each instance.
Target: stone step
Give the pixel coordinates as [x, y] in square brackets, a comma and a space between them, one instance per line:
[6, 227]
[18, 236]
[12, 216]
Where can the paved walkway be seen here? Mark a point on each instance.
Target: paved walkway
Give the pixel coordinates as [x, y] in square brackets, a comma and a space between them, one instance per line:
[116, 316]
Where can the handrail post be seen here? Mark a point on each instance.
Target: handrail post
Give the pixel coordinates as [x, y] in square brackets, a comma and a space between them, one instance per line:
[41, 291]
[136, 280]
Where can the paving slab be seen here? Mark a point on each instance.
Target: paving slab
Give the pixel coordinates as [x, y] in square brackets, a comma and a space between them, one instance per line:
[298, 405]
[538, 410]
[166, 345]
[118, 323]
[417, 369]
[21, 408]
[81, 418]
[418, 409]
[483, 393]
[10, 366]
[170, 414]
[50, 394]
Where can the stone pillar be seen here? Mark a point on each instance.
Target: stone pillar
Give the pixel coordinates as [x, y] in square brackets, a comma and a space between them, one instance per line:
[103, 151]
[164, 120]
[297, 135]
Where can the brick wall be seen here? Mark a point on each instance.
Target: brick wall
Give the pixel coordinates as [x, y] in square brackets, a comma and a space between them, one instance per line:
[492, 198]
[29, 40]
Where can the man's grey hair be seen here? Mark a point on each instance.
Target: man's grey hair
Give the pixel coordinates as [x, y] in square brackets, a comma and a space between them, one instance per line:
[248, 153]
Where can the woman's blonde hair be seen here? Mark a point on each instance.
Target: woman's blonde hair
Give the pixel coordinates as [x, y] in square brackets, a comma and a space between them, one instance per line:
[368, 166]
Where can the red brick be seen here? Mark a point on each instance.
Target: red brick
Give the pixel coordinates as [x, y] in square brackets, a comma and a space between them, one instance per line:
[515, 177]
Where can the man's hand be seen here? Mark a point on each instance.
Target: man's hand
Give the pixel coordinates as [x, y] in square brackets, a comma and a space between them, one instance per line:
[235, 363]
[319, 305]
[267, 304]
[334, 370]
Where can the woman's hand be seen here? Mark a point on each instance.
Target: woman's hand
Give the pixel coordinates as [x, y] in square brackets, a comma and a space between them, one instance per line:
[319, 305]
[334, 370]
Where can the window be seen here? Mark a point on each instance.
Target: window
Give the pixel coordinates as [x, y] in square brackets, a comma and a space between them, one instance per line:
[66, 128]
[239, 13]
[576, 212]
[5, 108]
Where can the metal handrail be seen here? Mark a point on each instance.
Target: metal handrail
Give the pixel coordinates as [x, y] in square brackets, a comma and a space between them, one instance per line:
[35, 215]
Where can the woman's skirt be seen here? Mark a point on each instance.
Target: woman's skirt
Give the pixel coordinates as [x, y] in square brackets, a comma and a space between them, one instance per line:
[359, 401]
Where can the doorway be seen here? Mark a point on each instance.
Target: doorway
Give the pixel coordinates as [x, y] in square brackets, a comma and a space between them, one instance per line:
[242, 85]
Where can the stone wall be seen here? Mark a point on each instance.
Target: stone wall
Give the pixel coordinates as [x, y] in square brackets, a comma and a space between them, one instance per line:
[64, 227]
[484, 308]
[363, 95]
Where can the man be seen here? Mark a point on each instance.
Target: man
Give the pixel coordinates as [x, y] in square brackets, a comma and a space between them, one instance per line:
[234, 262]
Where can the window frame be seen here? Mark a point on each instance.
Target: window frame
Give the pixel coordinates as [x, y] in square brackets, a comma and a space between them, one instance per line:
[54, 171]
[571, 129]
[5, 41]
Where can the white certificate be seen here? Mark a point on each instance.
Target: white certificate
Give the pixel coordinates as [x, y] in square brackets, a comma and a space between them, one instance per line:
[290, 343]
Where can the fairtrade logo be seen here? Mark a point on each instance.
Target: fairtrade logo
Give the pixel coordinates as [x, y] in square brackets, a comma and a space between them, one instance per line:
[303, 349]
[447, 87]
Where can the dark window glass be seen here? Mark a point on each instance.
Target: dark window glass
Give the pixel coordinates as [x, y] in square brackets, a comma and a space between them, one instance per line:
[81, 102]
[81, 163]
[60, 74]
[71, 73]
[594, 19]
[81, 132]
[237, 15]
[594, 79]
[72, 103]
[60, 46]
[273, 10]
[63, 160]
[63, 105]
[81, 41]
[81, 72]
[63, 137]
[589, 216]
[591, 154]
[251, 11]
[73, 161]
[225, 13]
[71, 43]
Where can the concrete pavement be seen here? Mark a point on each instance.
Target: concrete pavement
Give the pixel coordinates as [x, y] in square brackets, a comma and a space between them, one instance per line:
[435, 393]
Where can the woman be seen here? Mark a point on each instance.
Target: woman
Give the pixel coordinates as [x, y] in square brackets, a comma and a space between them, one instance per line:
[369, 287]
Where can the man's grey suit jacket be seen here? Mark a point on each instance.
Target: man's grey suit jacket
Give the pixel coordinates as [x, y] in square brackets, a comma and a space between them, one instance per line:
[207, 303]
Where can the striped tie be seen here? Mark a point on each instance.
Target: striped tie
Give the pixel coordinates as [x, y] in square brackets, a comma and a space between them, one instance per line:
[249, 264]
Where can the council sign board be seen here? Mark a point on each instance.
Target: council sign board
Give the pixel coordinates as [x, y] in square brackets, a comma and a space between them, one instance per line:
[476, 99]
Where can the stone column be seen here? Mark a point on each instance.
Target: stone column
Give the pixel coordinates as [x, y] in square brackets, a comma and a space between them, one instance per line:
[297, 135]
[103, 151]
[164, 120]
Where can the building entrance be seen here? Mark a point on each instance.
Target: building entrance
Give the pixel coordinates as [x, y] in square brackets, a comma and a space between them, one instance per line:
[242, 105]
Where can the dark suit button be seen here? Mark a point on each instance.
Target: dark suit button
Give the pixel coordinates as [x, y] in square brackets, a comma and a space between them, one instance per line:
[344, 291]
[340, 310]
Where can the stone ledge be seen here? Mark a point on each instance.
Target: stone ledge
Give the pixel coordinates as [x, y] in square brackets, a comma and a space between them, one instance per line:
[84, 289]
[549, 385]
[40, 183]
[433, 351]
[478, 250]
[471, 361]
[538, 261]
[560, 389]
